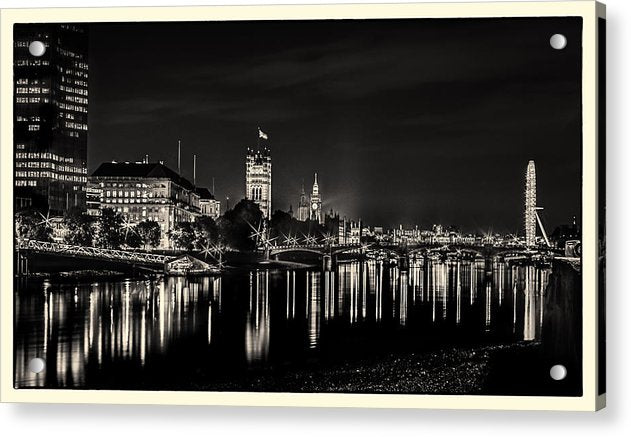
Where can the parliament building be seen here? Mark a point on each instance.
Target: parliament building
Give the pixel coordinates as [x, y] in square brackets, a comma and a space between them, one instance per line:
[258, 178]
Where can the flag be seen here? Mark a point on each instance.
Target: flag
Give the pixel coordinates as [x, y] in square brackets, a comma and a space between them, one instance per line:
[262, 134]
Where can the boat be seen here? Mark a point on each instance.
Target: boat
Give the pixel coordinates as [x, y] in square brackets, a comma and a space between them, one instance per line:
[188, 265]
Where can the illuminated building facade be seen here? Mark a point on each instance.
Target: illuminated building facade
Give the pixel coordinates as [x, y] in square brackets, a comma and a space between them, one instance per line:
[316, 202]
[258, 178]
[50, 117]
[530, 214]
[208, 205]
[145, 191]
[350, 231]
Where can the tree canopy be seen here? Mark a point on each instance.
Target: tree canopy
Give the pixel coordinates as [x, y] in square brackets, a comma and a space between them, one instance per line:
[79, 227]
[149, 233]
[235, 225]
[109, 233]
[32, 225]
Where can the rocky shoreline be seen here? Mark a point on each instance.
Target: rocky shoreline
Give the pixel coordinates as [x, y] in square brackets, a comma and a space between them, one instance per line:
[447, 371]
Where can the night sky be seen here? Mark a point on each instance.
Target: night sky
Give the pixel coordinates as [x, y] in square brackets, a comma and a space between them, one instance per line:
[405, 121]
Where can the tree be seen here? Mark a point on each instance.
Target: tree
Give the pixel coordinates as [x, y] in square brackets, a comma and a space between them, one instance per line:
[149, 232]
[109, 233]
[282, 225]
[206, 232]
[79, 227]
[33, 225]
[183, 236]
[234, 225]
[133, 240]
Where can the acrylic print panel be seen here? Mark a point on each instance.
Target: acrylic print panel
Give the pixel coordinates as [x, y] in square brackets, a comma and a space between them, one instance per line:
[358, 206]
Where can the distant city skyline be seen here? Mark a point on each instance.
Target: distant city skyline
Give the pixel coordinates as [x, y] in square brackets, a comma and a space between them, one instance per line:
[405, 121]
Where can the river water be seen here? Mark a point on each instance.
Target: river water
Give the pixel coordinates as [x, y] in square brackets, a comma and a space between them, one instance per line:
[167, 333]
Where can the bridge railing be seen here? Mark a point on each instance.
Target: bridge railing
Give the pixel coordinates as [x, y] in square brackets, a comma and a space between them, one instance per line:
[92, 252]
[315, 248]
[309, 246]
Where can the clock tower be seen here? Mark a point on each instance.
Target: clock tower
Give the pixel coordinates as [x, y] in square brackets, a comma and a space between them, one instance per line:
[315, 207]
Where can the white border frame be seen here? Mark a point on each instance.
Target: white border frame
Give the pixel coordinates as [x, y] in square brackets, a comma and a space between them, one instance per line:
[589, 10]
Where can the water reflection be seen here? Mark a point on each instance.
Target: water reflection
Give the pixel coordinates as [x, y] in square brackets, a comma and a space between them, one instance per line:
[257, 329]
[313, 307]
[87, 332]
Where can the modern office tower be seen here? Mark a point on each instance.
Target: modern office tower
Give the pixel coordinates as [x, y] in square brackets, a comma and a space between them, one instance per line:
[51, 117]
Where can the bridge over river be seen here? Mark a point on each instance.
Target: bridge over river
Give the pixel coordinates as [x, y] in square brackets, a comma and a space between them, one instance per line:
[27, 248]
[329, 253]
[102, 259]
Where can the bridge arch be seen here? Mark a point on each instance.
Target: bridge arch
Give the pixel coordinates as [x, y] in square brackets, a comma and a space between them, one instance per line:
[346, 249]
[298, 249]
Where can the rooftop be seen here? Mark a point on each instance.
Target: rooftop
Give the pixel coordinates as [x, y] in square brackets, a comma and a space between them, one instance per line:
[204, 193]
[141, 170]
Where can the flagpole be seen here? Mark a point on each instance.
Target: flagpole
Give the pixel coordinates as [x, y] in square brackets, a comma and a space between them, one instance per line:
[179, 172]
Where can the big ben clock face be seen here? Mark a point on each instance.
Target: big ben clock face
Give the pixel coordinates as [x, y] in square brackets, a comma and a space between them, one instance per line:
[314, 206]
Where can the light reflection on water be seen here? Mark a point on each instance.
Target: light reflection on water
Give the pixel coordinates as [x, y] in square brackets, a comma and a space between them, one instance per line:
[257, 318]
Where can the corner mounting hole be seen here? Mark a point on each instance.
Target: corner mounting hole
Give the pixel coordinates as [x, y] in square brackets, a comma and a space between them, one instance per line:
[37, 365]
[558, 41]
[36, 48]
[558, 372]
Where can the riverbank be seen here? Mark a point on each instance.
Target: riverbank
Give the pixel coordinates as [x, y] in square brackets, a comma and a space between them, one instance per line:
[479, 370]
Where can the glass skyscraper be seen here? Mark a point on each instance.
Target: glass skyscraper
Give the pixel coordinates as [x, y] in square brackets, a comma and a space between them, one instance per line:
[50, 131]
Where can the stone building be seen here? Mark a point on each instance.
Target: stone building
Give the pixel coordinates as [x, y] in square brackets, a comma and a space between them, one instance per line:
[144, 191]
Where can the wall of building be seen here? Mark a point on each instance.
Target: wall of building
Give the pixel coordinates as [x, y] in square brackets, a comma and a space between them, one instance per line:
[140, 199]
[210, 208]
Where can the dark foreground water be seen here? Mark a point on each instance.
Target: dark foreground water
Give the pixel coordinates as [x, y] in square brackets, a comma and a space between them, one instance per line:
[221, 332]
